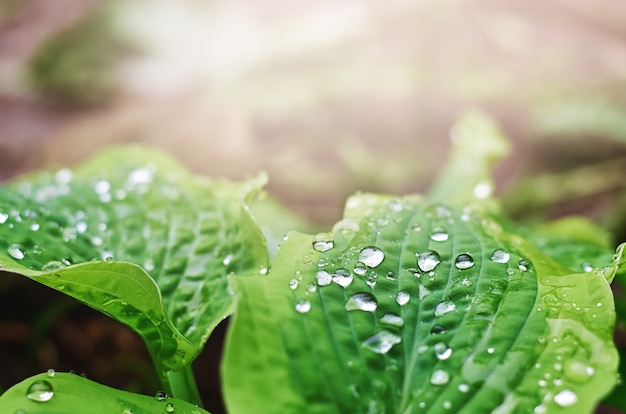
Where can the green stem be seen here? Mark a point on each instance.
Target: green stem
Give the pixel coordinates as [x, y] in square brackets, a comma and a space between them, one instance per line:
[182, 384]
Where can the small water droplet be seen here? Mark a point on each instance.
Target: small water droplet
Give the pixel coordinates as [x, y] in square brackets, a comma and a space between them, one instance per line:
[227, 259]
[438, 329]
[442, 351]
[51, 373]
[3, 218]
[540, 409]
[303, 306]
[371, 256]
[35, 226]
[342, 277]
[40, 390]
[140, 176]
[360, 268]
[402, 298]
[464, 261]
[362, 301]
[169, 408]
[500, 256]
[439, 377]
[102, 187]
[447, 404]
[127, 411]
[466, 282]
[16, 251]
[371, 280]
[293, 284]
[428, 260]
[524, 265]
[392, 319]
[423, 292]
[323, 278]
[323, 242]
[482, 190]
[491, 350]
[161, 396]
[439, 234]
[382, 342]
[390, 276]
[463, 388]
[566, 398]
[444, 307]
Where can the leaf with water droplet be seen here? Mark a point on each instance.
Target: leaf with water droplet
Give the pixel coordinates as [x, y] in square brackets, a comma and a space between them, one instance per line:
[466, 319]
[80, 236]
[66, 393]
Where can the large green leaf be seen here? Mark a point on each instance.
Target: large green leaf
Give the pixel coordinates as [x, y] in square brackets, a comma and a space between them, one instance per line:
[135, 235]
[413, 307]
[62, 393]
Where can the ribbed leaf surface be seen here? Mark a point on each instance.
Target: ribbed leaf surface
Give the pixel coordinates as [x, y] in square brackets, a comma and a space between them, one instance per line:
[409, 307]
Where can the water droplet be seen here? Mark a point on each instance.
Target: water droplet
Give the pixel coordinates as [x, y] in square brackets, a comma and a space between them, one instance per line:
[140, 176]
[311, 288]
[524, 265]
[342, 277]
[324, 278]
[566, 398]
[360, 268]
[323, 242]
[439, 377]
[161, 396]
[382, 342]
[169, 408]
[16, 251]
[362, 301]
[428, 260]
[402, 298]
[423, 292]
[127, 411]
[371, 256]
[482, 190]
[439, 234]
[463, 388]
[293, 284]
[437, 329]
[102, 187]
[81, 227]
[577, 371]
[227, 259]
[491, 350]
[51, 373]
[40, 390]
[303, 306]
[3, 218]
[464, 261]
[466, 282]
[390, 276]
[500, 256]
[444, 307]
[392, 319]
[371, 280]
[442, 351]
[447, 404]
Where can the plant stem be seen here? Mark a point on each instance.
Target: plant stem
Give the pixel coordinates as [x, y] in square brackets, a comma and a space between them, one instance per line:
[182, 384]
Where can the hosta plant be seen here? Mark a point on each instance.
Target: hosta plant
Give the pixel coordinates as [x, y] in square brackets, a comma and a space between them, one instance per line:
[414, 304]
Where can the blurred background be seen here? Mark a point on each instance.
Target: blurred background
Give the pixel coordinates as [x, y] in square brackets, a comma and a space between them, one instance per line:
[327, 97]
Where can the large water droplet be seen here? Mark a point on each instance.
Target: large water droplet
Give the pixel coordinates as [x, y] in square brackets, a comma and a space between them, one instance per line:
[16, 251]
[428, 260]
[324, 278]
[371, 256]
[323, 242]
[342, 277]
[444, 307]
[464, 261]
[439, 234]
[52, 266]
[439, 377]
[303, 306]
[500, 256]
[402, 298]
[362, 301]
[566, 398]
[3, 218]
[40, 390]
[442, 351]
[392, 319]
[382, 342]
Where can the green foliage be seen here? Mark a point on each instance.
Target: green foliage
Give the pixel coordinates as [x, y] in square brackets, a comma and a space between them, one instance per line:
[435, 303]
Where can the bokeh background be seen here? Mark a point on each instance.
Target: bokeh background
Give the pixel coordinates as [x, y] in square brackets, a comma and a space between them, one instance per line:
[327, 97]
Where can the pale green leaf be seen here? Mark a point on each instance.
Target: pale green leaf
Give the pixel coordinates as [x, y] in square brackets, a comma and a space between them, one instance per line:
[62, 393]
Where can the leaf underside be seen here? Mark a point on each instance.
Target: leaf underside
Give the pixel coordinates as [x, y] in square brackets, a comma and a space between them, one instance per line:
[134, 235]
[494, 326]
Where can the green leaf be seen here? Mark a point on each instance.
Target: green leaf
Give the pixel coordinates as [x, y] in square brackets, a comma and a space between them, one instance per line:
[128, 228]
[62, 393]
[419, 307]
